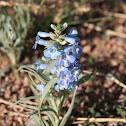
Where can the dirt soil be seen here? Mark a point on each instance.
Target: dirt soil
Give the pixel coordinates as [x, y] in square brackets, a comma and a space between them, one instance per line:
[99, 97]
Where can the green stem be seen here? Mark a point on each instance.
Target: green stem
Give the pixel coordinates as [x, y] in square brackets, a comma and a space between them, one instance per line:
[62, 101]
[67, 115]
[122, 113]
[42, 2]
[39, 113]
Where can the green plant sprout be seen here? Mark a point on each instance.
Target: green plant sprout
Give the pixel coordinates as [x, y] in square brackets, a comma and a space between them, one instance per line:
[13, 33]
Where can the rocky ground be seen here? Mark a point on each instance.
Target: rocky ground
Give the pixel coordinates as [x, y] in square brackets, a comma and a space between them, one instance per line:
[104, 47]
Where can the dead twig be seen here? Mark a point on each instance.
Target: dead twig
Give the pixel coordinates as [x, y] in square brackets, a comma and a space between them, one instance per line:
[30, 103]
[10, 113]
[9, 103]
[35, 8]
[17, 106]
[110, 77]
[11, 4]
[117, 15]
[83, 120]
[109, 32]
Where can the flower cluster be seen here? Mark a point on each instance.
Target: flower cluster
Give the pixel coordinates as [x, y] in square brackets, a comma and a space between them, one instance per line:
[66, 51]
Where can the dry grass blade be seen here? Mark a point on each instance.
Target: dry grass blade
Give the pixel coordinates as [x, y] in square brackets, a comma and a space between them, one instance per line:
[117, 15]
[9, 103]
[110, 77]
[10, 113]
[109, 32]
[35, 8]
[83, 120]
[10, 4]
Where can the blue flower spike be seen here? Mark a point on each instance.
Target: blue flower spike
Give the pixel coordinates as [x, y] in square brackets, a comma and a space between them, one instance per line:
[65, 49]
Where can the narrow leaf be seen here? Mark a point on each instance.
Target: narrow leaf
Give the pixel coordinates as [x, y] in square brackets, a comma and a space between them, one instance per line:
[32, 81]
[42, 2]
[63, 98]
[24, 99]
[45, 122]
[33, 90]
[29, 106]
[65, 118]
[47, 88]
[36, 118]
[83, 79]
[50, 117]
[52, 103]
[34, 71]
[46, 109]
[36, 75]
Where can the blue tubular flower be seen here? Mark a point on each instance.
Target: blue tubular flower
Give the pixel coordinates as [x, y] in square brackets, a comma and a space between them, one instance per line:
[66, 59]
[77, 50]
[38, 41]
[40, 87]
[59, 87]
[66, 52]
[56, 88]
[75, 63]
[73, 86]
[73, 32]
[71, 37]
[60, 70]
[65, 80]
[52, 52]
[71, 40]
[44, 34]
[76, 73]
[40, 66]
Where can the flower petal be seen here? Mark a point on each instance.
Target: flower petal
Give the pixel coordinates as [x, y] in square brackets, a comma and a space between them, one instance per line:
[43, 66]
[47, 53]
[53, 56]
[59, 62]
[34, 46]
[66, 63]
[39, 87]
[41, 41]
[73, 32]
[56, 88]
[43, 34]
[70, 40]
[45, 58]
[36, 63]
[59, 81]
[53, 70]
[71, 58]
